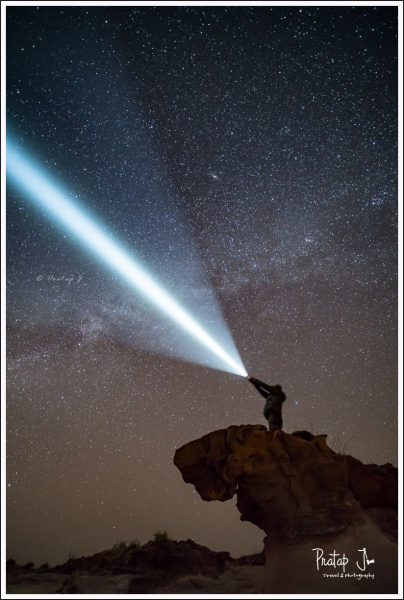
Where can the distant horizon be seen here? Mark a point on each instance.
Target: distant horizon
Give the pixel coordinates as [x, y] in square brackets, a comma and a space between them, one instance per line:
[118, 544]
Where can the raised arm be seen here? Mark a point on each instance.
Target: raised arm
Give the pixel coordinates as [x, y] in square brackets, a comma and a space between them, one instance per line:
[260, 386]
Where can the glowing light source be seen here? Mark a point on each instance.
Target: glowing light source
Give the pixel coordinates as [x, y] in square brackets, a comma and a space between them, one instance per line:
[39, 187]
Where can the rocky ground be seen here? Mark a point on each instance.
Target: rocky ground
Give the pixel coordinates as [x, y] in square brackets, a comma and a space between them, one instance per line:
[160, 566]
[234, 579]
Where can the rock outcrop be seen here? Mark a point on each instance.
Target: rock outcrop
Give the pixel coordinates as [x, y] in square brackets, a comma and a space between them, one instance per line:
[304, 496]
[163, 565]
[153, 564]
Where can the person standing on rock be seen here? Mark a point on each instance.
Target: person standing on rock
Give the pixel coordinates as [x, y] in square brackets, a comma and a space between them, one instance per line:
[274, 396]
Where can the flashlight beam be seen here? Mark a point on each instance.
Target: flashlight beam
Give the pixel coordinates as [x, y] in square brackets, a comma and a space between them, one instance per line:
[39, 187]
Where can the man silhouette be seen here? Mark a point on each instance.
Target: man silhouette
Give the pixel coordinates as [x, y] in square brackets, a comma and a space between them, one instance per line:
[274, 396]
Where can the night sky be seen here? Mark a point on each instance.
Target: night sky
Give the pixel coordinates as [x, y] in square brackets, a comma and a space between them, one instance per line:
[254, 145]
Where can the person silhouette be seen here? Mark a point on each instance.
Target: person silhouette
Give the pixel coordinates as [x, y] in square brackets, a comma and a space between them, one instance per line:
[274, 396]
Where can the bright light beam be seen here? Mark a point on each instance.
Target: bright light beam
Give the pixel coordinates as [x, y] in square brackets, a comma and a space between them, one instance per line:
[40, 188]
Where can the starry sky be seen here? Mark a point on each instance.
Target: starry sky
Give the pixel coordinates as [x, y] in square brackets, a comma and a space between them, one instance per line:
[249, 148]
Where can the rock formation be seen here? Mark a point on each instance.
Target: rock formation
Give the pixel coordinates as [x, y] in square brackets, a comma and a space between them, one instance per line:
[310, 501]
[159, 566]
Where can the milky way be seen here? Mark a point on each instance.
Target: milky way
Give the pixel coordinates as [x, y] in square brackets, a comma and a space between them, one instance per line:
[272, 132]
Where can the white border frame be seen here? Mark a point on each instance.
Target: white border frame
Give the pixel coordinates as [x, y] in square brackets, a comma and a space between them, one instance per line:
[338, 3]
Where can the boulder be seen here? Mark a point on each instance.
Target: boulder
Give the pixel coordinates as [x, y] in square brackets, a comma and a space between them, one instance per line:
[303, 495]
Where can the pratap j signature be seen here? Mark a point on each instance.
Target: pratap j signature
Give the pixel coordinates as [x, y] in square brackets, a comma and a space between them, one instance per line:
[60, 278]
[335, 559]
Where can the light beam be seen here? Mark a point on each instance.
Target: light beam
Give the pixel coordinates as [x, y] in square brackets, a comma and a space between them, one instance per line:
[39, 187]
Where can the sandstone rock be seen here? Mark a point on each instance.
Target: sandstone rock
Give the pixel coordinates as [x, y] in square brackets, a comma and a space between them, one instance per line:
[302, 494]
